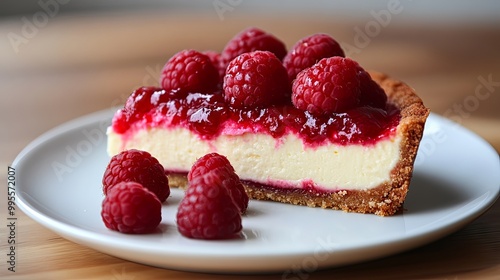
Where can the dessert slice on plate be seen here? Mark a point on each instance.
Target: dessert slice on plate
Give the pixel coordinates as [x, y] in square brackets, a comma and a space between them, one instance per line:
[331, 136]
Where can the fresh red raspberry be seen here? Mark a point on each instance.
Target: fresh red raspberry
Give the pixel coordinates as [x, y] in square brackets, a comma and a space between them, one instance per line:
[249, 40]
[330, 86]
[137, 166]
[208, 162]
[213, 56]
[207, 210]
[216, 62]
[130, 208]
[219, 164]
[256, 79]
[371, 93]
[233, 184]
[190, 71]
[308, 51]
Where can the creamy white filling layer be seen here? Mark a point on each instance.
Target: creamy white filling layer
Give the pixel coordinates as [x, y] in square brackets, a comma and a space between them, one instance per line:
[261, 158]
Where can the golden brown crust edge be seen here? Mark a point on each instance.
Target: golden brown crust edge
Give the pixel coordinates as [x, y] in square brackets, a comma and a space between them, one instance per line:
[411, 126]
[384, 200]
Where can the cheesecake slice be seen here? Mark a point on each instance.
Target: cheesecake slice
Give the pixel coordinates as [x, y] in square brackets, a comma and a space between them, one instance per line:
[305, 127]
[358, 161]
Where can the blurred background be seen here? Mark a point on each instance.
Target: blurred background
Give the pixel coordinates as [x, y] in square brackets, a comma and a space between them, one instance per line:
[60, 59]
[482, 11]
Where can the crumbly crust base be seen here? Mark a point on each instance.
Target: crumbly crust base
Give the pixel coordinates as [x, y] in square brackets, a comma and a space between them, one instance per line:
[385, 199]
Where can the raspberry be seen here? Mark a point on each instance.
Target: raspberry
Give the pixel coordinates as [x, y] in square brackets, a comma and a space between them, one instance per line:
[308, 51]
[207, 210]
[131, 208]
[249, 40]
[330, 86]
[222, 167]
[213, 56]
[190, 71]
[233, 184]
[208, 162]
[137, 166]
[371, 93]
[256, 79]
[216, 62]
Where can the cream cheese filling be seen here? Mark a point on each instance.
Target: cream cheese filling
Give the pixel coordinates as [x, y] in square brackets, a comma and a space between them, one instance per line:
[260, 158]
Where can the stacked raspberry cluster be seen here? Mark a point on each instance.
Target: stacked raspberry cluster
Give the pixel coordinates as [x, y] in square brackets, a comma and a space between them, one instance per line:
[135, 186]
[312, 90]
[255, 70]
[214, 200]
[254, 80]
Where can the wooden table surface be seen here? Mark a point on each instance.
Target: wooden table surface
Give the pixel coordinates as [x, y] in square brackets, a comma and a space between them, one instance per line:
[72, 65]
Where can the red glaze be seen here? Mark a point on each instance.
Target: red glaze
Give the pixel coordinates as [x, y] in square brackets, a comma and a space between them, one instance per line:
[209, 116]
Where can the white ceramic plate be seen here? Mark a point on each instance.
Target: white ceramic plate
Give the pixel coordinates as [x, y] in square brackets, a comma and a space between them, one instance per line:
[456, 178]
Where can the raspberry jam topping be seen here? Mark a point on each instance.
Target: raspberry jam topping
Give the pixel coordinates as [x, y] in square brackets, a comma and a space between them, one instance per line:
[316, 93]
[208, 116]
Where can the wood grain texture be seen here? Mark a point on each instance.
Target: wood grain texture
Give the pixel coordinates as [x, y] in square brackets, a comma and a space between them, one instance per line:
[79, 64]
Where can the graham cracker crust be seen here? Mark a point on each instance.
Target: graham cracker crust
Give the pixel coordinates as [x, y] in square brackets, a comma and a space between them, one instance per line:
[383, 200]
